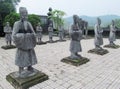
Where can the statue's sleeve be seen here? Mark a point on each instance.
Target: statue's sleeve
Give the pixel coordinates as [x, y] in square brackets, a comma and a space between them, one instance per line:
[31, 28]
[96, 31]
[15, 30]
[71, 30]
[41, 29]
[4, 29]
[112, 28]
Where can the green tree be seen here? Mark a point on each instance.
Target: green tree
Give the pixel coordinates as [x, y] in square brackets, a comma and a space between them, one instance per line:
[117, 23]
[6, 7]
[34, 19]
[57, 17]
[13, 17]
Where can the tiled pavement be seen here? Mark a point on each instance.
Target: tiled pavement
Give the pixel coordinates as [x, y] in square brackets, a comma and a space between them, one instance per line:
[102, 72]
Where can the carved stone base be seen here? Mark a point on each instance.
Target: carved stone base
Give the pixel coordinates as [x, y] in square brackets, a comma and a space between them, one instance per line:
[75, 62]
[112, 46]
[41, 43]
[51, 41]
[61, 40]
[25, 83]
[8, 47]
[98, 51]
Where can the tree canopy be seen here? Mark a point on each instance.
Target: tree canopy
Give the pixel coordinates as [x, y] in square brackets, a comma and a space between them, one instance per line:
[6, 7]
[57, 17]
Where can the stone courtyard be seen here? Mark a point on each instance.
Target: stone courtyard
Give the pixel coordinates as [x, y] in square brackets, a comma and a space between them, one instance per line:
[101, 72]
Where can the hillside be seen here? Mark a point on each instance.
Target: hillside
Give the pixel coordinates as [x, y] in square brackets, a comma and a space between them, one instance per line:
[106, 19]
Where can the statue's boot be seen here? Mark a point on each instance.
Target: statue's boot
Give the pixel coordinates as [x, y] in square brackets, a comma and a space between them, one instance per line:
[30, 68]
[112, 43]
[78, 55]
[74, 56]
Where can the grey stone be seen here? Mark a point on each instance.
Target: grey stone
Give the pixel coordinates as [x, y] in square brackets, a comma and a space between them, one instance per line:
[98, 34]
[24, 38]
[112, 36]
[39, 33]
[76, 36]
[75, 62]
[8, 33]
[26, 82]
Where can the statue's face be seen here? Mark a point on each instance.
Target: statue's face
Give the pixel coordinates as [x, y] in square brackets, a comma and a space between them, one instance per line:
[38, 24]
[7, 24]
[24, 15]
[99, 22]
[75, 19]
[113, 22]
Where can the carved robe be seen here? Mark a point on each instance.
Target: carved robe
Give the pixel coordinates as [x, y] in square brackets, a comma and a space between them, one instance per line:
[24, 38]
[98, 35]
[76, 36]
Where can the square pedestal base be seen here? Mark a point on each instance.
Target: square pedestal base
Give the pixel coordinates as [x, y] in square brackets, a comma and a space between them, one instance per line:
[51, 41]
[41, 43]
[75, 62]
[112, 46]
[8, 47]
[98, 51]
[25, 83]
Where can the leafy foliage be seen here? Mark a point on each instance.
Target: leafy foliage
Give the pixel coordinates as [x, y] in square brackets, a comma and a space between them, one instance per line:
[34, 19]
[13, 17]
[7, 7]
[117, 23]
[57, 17]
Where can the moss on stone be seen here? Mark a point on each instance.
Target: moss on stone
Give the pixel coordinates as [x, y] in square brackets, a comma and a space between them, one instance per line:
[112, 46]
[98, 51]
[25, 83]
[75, 62]
[8, 47]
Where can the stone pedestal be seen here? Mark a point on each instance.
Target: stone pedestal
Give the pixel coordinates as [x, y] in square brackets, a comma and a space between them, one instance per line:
[98, 51]
[25, 83]
[112, 46]
[41, 43]
[51, 41]
[8, 47]
[75, 62]
[61, 40]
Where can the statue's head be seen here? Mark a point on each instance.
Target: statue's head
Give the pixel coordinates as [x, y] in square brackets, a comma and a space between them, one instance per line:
[39, 24]
[113, 22]
[7, 24]
[98, 21]
[23, 13]
[75, 19]
[50, 9]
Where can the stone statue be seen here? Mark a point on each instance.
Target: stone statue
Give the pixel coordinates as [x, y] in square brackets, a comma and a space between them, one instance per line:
[49, 16]
[8, 33]
[24, 38]
[112, 36]
[61, 33]
[98, 34]
[39, 33]
[76, 36]
[50, 31]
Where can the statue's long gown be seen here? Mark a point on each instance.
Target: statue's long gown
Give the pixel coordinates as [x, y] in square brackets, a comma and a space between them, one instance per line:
[23, 36]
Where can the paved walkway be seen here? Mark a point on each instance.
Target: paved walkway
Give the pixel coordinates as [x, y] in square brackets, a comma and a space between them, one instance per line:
[102, 72]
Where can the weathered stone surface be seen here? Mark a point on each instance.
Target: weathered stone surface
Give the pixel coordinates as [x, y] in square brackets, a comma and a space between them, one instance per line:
[8, 47]
[98, 51]
[112, 46]
[25, 83]
[75, 62]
